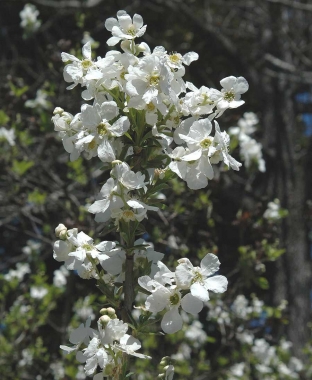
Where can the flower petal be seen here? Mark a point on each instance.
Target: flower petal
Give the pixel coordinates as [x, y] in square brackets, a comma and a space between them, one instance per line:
[210, 264]
[191, 304]
[172, 321]
[199, 292]
[217, 284]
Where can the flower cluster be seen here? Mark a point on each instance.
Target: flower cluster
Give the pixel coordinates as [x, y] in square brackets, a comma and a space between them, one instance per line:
[29, 18]
[141, 102]
[250, 149]
[104, 347]
[146, 125]
[78, 252]
[187, 288]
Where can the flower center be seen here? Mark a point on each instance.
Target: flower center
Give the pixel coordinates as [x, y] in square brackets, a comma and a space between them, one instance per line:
[198, 277]
[128, 215]
[92, 144]
[86, 63]
[229, 96]
[150, 107]
[174, 58]
[206, 100]
[174, 299]
[205, 144]
[87, 247]
[102, 129]
[122, 75]
[154, 80]
[131, 31]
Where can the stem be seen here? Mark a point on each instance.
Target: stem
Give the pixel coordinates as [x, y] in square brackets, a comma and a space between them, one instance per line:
[128, 284]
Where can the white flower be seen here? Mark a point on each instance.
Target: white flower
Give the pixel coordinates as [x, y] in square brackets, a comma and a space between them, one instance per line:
[18, 273]
[222, 141]
[107, 200]
[201, 101]
[245, 125]
[148, 79]
[8, 135]
[38, 292]
[59, 279]
[238, 369]
[196, 278]
[240, 307]
[129, 345]
[40, 101]
[124, 28]
[232, 90]
[171, 299]
[81, 334]
[273, 211]
[84, 248]
[251, 152]
[196, 334]
[29, 16]
[78, 70]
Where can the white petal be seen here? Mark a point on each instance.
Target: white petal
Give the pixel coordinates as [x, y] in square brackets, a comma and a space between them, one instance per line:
[86, 50]
[137, 21]
[110, 23]
[191, 304]
[228, 82]
[199, 292]
[241, 85]
[99, 206]
[172, 321]
[217, 284]
[209, 264]
[106, 152]
[158, 300]
[120, 127]
[183, 276]
[109, 110]
[113, 41]
[188, 58]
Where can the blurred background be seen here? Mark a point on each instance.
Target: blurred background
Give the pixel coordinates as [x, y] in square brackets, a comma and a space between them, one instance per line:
[258, 221]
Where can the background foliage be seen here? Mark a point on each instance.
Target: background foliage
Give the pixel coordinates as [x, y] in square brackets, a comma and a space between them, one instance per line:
[269, 43]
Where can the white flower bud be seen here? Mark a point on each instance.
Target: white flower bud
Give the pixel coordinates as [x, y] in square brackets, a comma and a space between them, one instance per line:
[111, 311]
[103, 311]
[58, 110]
[104, 320]
[61, 231]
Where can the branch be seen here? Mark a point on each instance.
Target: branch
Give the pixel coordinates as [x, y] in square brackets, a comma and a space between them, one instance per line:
[293, 73]
[69, 3]
[293, 4]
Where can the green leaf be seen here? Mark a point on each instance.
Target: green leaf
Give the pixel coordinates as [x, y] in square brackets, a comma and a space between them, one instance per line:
[21, 167]
[4, 118]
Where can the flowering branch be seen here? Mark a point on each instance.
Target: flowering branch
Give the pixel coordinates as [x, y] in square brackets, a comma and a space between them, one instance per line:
[146, 125]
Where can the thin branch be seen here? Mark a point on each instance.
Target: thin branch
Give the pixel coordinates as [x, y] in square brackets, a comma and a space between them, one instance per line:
[293, 4]
[69, 3]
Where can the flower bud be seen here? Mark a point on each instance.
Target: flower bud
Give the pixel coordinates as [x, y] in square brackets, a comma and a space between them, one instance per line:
[116, 162]
[58, 110]
[165, 361]
[104, 320]
[161, 376]
[61, 232]
[110, 311]
[103, 311]
[160, 173]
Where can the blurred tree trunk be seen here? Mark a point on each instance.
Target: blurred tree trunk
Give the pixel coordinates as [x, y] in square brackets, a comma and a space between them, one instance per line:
[293, 271]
